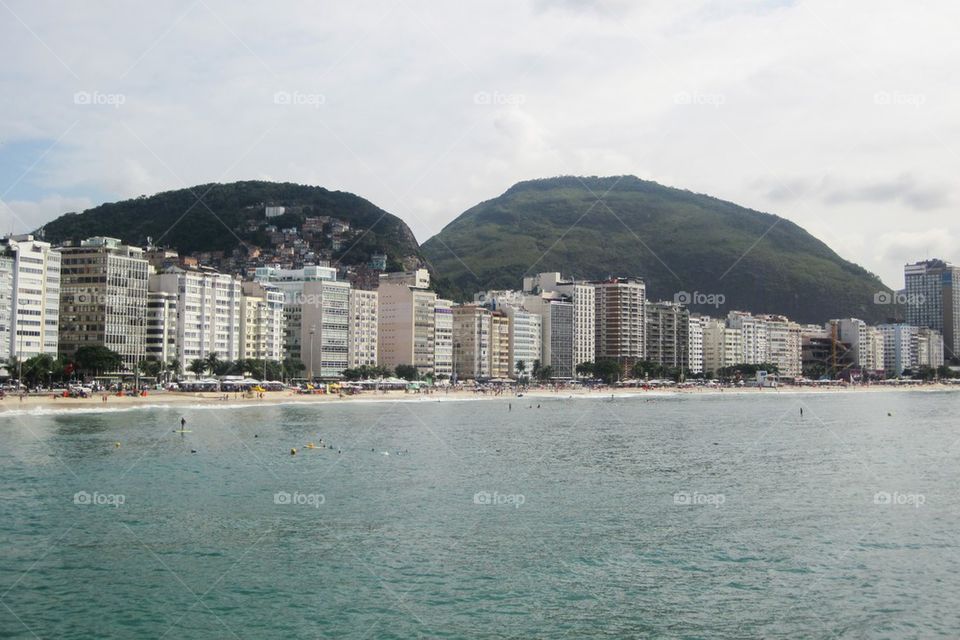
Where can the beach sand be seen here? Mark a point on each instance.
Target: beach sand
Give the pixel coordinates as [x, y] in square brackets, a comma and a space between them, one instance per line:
[47, 401]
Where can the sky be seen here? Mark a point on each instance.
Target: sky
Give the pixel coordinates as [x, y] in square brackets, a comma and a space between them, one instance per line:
[841, 117]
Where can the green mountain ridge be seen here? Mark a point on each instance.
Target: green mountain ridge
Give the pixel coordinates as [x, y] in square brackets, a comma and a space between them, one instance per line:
[224, 216]
[677, 241]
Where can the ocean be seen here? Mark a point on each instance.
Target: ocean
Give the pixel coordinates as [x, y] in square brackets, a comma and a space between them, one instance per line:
[694, 516]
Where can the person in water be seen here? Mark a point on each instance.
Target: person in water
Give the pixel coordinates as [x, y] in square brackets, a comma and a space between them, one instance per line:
[183, 423]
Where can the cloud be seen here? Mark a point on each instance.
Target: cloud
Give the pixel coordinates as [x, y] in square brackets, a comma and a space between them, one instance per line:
[26, 215]
[904, 190]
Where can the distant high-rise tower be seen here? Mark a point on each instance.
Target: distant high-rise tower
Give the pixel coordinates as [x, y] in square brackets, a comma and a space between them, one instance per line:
[933, 300]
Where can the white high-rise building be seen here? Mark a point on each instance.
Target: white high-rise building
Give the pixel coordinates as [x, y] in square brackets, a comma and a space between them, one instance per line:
[35, 305]
[262, 322]
[209, 310]
[695, 342]
[556, 331]
[899, 348]
[873, 353]
[526, 335]
[6, 306]
[443, 339]
[754, 340]
[784, 345]
[583, 301]
[363, 328]
[316, 315]
[161, 339]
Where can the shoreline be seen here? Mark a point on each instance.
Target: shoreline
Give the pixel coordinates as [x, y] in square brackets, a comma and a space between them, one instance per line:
[46, 404]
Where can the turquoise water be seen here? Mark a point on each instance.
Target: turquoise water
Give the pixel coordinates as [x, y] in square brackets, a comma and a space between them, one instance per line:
[683, 517]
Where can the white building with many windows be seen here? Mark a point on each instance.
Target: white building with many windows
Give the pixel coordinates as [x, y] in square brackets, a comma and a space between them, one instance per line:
[443, 338]
[582, 297]
[35, 300]
[262, 322]
[363, 328]
[209, 311]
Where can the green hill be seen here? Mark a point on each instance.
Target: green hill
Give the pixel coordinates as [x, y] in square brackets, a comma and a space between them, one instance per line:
[675, 240]
[229, 214]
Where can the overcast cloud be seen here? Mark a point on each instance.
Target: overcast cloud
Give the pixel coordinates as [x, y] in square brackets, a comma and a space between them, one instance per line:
[843, 119]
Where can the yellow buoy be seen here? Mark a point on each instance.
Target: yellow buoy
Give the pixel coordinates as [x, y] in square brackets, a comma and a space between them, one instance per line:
[293, 452]
[116, 444]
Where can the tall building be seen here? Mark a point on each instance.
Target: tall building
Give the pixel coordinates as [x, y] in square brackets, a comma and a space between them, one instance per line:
[933, 300]
[407, 322]
[208, 308]
[500, 363]
[899, 347]
[784, 345]
[695, 342]
[161, 338]
[556, 331]
[471, 342]
[754, 348]
[363, 328]
[6, 306]
[261, 322]
[722, 346]
[620, 320]
[582, 298]
[103, 298]
[316, 310]
[929, 348]
[443, 339]
[667, 326]
[35, 304]
[525, 339]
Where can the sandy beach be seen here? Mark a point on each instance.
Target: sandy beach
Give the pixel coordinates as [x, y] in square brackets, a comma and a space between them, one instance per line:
[47, 401]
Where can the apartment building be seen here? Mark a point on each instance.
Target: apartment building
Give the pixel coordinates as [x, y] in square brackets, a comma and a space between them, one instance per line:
[695, 342]
[667, 338]
[443, 339]
[784, 345]
[35, 298]
[754, 348]
[471, 342]
[208, 311]
[363, 328]
[103, 298]
[582, 298]
[262, 322]
[620, 320]
[500, 363]
[932, 300]
[6, 306]
[722, 346]
[556, 313]
[161, 334]
[407, 323]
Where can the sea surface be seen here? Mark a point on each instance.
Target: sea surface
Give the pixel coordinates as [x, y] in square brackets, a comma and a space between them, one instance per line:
[714, 516]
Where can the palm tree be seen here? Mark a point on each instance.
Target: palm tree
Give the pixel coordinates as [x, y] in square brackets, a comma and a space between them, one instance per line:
[175, 367]
[197, 366]
[212, 361]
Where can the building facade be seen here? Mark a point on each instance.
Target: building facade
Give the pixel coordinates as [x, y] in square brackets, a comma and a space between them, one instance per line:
[363, 328]
[471, 342]
[443, 339]
[406, 327]
[262, 322]
[161, 337]
[209, 311]
[667, 326]
[620, 320]
[933, 300]
[35, 301]
[103, 299]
